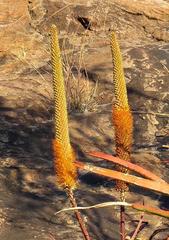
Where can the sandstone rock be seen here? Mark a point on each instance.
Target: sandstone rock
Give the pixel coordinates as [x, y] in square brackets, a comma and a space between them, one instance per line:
[29, 196]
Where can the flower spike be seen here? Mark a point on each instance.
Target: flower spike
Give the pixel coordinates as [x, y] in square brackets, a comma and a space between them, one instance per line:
[64, 156]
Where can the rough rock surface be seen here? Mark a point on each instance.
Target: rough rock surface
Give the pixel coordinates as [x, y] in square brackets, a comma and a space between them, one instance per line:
[29, 197]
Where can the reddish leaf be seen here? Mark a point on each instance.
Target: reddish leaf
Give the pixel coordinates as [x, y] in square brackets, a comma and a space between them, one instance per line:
[126, 164]
[159, 186]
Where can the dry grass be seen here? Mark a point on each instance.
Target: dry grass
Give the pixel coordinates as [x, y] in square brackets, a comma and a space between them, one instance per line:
[81, 92]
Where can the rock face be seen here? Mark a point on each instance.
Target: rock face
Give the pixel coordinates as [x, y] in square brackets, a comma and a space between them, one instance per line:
[29, 197]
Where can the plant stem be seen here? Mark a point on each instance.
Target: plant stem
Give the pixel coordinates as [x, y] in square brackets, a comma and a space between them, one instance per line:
[137, 230]
[78, 215]
[122, 222]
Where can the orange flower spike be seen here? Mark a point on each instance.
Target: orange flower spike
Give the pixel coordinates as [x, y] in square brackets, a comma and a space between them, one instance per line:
[121, 114]
[63, 154]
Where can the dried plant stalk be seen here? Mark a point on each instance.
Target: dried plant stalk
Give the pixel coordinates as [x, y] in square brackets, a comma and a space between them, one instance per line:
[122, 117]
[63, 153]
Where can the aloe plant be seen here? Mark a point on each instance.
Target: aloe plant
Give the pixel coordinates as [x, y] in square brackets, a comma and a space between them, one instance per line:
[122, 122]
[64, 156]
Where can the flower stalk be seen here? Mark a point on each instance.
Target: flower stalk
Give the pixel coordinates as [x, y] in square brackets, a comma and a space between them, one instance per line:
[122, 121]
[64, 156]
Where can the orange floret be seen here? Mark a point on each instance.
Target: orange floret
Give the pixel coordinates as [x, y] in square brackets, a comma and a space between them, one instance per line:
[64, 165]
